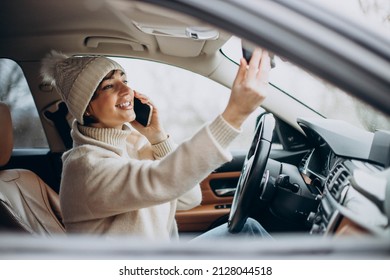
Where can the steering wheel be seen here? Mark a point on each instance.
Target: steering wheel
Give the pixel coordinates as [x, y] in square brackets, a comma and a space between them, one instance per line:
[250, 186]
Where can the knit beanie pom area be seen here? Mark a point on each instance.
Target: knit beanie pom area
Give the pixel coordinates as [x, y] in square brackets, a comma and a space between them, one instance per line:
[49, 63]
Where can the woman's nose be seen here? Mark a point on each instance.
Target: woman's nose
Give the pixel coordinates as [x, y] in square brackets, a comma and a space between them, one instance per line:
[124, 89]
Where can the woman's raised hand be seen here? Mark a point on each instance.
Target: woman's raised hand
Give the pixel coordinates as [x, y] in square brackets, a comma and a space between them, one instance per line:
[249, 88]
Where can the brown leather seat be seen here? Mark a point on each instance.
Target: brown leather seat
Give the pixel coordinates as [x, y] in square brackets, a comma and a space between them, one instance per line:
[27, 204]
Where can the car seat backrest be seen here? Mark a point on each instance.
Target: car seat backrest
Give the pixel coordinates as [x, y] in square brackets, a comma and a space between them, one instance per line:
[6, 139]
[27, 204]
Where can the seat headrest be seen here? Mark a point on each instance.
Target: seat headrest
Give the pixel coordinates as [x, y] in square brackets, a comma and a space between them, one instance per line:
[6, 132]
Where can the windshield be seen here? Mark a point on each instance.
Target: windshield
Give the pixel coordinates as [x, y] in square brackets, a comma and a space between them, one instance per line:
[317, 94]
[375, 14]
[325, 98]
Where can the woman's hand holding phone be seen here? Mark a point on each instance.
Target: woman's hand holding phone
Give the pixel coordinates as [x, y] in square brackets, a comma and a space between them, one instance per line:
[143, 112]
[147, 120]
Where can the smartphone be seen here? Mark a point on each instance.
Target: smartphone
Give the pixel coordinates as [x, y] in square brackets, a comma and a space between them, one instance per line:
[247, 54]
[143, 112]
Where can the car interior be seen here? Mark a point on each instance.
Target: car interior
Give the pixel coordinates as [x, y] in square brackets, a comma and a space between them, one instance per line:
[305, 173]
[27, 203]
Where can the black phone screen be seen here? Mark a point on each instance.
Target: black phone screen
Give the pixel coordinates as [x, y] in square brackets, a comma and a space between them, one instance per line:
[143, 112]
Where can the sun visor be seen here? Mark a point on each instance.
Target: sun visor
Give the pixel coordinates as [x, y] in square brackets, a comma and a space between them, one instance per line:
[191, 39]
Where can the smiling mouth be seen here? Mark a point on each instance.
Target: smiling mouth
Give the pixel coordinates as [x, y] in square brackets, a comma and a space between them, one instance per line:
[124, 105]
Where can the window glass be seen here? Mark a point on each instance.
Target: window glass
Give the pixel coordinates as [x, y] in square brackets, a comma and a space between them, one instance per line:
[186, 100]
[14, 91]
[374, 14]
[316, 93]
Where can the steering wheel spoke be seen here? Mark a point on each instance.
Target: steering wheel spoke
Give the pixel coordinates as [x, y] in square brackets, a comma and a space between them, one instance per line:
[247, 167]
[251, 181]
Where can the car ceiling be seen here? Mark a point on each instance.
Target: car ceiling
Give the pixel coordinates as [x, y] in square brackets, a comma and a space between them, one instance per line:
[107, 27]
[98, 27]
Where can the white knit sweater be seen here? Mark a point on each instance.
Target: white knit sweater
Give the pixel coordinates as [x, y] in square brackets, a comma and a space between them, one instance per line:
[115, 182]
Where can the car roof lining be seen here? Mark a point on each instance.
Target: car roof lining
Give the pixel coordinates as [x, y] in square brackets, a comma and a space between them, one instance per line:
[48, 26]
[54, 28]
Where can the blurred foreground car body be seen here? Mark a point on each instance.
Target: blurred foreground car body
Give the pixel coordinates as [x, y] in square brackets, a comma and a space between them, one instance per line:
[328, 179]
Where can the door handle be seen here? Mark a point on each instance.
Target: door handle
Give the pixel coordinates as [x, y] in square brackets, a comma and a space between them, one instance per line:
[225, 191]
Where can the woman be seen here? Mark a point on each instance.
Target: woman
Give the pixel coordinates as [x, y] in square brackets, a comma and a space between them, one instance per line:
[130, 179]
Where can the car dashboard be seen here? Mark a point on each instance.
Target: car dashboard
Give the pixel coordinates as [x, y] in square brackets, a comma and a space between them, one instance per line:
[345, 170]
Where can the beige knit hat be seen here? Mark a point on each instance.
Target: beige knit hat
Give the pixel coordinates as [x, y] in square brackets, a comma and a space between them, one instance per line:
[76, 78]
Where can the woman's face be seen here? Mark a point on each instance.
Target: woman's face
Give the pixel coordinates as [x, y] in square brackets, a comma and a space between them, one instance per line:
[113, 101]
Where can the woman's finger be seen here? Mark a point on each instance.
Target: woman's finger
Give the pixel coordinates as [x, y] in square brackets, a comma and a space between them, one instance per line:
[144, 99]
[265, 67]
[254, 63]
[140, 95]
[241, 72]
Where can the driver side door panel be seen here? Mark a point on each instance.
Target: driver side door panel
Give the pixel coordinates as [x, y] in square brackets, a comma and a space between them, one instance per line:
[217, 195]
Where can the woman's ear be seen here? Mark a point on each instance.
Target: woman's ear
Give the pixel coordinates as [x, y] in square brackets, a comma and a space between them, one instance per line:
[88, 111]
[88, 117]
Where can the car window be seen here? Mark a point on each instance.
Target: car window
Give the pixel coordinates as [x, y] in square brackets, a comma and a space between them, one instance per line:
[316, 93]
[186, 100]
[375, 14]
[15, 92]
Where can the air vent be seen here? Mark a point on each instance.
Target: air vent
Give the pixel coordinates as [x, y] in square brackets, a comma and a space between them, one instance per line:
[337, 180]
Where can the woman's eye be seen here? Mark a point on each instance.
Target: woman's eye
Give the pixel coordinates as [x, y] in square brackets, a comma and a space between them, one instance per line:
[125, 82]
[107, 87]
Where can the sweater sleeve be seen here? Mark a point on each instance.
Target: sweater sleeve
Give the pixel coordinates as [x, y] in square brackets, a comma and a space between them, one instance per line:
[223, 133]
[162, 149]
[193, 197]
[96, 183]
